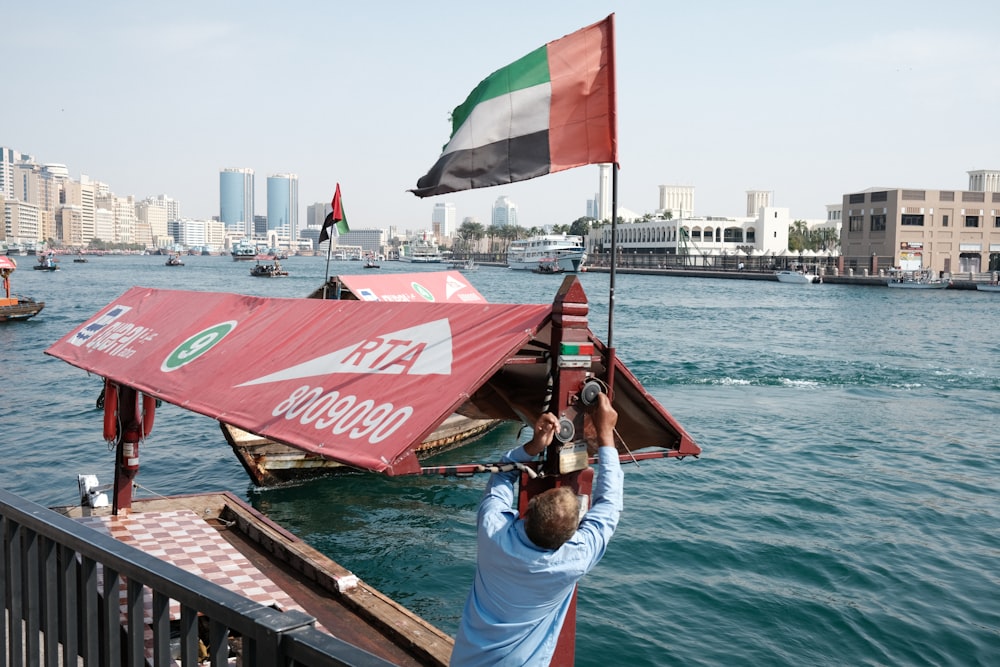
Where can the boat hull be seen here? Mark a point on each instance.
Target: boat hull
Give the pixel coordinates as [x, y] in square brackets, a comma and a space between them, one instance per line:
[938, 284]
[22, 310]
[420, 260]
[988, 288]
[796, 278]
[269, 463]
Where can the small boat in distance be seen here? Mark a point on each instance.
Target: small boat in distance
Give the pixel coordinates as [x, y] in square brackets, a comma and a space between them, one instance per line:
[915, 280]
[268, 270]
[797, 277]
[466, 266]
[567, 250]
[371, 264]
[15, 307]
[992, 287]
[244, 251]
[47, 262]
[548, 265]
[80, 259]
[174, 260]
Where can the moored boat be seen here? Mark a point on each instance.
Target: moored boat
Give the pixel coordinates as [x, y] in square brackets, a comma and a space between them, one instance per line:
[988, 287]
[797, 277]
[567, 250]
[243, 252]
[421, 250]
[915, 280]
[16, 307]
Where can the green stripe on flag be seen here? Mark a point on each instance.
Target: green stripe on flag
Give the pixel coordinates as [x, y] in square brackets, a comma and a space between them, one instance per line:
[531, 70]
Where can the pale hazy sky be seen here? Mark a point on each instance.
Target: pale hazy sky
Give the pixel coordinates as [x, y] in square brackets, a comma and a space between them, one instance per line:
[808, 100]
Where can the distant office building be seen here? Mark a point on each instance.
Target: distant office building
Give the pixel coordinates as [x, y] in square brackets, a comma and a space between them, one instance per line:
[153, 216]
[504, 212]
[197, 234]
[316, 214]
[104, 225]
[69, 226]
[283, 205]
[678, 200]
[124, 218]
[935, 230]
[80, 194]
[21, 222]
[236, 204]
[443, 219]
[592, 210]
[370, 240]
[8, 158]
[756, 200]
[169, 204]
[260, 226]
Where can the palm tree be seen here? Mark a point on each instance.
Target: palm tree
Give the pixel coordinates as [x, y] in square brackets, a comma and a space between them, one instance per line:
[798, 235]
[467, 233]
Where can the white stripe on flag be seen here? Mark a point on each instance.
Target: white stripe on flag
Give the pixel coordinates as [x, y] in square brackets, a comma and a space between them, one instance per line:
[520, 113]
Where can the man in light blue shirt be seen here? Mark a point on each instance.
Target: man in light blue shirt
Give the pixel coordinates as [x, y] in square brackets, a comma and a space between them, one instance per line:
[526, 571]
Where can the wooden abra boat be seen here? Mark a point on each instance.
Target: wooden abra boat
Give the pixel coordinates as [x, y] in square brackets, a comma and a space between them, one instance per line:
[268, 270]
[15, 307]
[269, 463]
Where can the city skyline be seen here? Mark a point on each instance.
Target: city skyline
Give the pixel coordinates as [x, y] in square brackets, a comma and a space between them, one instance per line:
[815, 102]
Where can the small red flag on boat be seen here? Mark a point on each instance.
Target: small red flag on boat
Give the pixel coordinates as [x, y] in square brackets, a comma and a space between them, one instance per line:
[335, 218]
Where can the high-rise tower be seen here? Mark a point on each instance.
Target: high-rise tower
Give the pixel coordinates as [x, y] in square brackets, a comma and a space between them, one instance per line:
[443, 219]
[504, 212]
[236, 199]
[283, 204]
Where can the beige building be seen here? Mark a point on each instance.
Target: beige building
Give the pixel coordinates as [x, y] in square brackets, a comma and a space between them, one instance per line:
[950, 231]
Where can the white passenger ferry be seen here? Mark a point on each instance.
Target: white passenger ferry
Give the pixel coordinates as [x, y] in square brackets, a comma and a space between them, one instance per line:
[568, 251]
[421, 250]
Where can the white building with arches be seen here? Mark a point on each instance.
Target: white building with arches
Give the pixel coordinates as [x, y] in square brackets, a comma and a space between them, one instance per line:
[765, 234]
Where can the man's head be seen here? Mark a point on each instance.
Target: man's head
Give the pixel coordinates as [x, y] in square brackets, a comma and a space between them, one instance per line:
[552, 517]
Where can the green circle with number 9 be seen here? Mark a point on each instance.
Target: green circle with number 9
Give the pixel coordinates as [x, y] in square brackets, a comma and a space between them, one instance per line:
[197, 345]
[422, 291]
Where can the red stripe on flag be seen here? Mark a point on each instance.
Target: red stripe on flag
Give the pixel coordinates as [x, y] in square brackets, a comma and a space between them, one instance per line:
[582, 119]
[338, 207]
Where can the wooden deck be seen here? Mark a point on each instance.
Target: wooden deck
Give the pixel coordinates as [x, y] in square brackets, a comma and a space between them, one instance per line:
[265, 554]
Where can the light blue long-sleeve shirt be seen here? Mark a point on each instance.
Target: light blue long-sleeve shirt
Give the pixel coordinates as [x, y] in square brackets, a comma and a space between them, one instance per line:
[521, 593]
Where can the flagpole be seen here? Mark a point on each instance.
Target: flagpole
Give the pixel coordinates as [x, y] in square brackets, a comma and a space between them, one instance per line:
[611, 281]
[329, 251]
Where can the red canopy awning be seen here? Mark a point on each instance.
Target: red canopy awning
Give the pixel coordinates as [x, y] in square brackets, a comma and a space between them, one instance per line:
[363, 383]
[418, 287]
[359, 382]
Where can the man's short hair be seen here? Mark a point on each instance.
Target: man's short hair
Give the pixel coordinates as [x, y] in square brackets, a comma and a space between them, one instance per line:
[552, 517]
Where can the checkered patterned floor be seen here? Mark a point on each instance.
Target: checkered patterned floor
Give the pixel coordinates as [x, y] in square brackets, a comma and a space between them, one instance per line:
[183, 539]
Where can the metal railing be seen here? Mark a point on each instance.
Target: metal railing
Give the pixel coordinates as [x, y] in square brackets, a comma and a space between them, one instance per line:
[58, 611]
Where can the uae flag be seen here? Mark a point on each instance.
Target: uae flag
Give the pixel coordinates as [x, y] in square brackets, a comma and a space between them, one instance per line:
[336, 219]
[553, 109]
